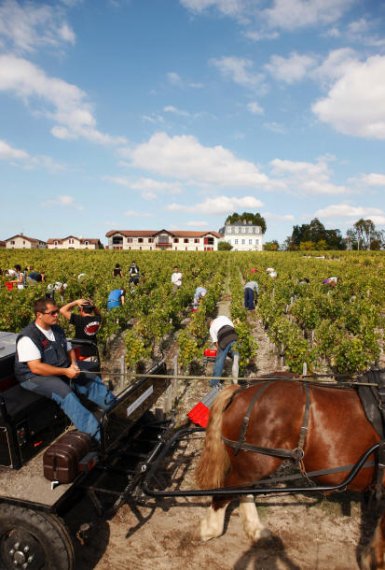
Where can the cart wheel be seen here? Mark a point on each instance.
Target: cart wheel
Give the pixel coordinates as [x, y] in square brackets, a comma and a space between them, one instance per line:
[32, 540]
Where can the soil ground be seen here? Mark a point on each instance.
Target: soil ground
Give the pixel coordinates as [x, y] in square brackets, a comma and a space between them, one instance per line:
[306, 533]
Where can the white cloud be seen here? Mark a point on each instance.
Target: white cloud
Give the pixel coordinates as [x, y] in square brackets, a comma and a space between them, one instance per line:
[335, 65]
[63, 201]
[10, 153]
[373, 179]
[196, 224]
[177, 81]
[295, 14]
[306, 177]
[255, 108]
[148, 187]
[352, 212]
[262, 24]
[279, 217]
[174, 110]
[26, 27]
[184, 158]
[355, 105]
[290, 69]
[137, 214]
[219, 205]
[226, 7]
[57, 100]
[358, 27]
[22, 158]
[275, 128]
[239, 70]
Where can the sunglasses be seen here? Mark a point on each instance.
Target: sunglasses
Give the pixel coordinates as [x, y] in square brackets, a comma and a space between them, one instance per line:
[52, 313]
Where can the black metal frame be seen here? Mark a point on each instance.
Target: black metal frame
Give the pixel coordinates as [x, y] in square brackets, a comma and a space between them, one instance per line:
[235, 491]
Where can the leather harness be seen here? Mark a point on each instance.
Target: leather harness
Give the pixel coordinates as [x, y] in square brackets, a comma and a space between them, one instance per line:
[297, 454]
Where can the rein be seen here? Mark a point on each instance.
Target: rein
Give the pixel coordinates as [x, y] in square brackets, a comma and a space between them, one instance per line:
[294, 454]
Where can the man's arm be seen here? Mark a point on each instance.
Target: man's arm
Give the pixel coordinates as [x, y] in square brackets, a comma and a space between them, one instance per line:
[66, 309]
[42, 369]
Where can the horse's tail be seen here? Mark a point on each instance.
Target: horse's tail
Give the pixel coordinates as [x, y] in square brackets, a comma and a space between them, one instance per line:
[214, 461]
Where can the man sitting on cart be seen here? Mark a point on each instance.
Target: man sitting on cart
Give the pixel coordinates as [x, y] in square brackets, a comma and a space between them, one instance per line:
[45, 363]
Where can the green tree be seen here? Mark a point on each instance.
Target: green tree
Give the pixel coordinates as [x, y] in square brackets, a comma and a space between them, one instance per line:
[317, 233]
[255, 219]
[224, 246]
[271, 245]
[363, 235]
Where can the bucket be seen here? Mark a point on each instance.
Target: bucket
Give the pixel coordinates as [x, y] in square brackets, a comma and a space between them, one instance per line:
[210, 352]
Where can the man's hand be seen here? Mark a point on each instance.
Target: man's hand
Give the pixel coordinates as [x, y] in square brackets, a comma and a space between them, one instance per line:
[72, 371]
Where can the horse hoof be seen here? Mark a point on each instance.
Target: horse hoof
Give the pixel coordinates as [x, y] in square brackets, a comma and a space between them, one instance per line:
[259, 534]
[207, 533]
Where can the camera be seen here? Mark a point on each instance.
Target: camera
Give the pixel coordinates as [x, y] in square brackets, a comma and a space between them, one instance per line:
[88, 309]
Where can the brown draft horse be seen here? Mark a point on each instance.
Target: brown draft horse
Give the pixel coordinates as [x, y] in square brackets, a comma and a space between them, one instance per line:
[338, 435]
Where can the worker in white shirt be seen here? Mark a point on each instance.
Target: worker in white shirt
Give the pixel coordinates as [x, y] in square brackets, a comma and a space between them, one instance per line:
[222, 333]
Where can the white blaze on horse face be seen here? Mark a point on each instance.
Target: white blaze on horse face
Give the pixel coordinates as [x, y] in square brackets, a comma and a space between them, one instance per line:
[213, 523]
[252, 525]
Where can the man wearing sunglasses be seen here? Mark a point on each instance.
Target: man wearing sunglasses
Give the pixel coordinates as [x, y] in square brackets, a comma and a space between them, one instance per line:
[46, 364]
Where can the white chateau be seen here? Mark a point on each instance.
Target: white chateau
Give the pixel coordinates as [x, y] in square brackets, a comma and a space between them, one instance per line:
[243, 236]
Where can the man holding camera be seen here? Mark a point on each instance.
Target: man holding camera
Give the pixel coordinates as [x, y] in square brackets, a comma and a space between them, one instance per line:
[87, 324]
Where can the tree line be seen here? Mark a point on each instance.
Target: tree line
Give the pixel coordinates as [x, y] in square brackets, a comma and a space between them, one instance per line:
[363, 235]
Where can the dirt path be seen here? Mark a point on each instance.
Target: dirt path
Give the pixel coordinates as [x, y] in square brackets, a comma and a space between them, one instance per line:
[307, 534]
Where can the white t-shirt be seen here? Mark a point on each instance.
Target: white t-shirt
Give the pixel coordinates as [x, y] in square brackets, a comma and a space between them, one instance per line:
[216, 326]
[176, 278]
[27, 349]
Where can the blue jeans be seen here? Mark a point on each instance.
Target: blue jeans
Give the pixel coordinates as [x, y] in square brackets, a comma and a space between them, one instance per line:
[65, 395]
[220, 362]
[249, 299]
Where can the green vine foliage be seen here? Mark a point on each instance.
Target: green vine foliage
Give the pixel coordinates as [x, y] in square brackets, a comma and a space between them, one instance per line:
[343, 325]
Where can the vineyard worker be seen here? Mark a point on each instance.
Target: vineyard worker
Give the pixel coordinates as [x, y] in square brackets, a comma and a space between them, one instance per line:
[250, 291]
[176, 279]
[35, 277]
[223, 334]
[87, 324]
[57, 287]
[46, 364]
[332, 281]
[19, 277]
[133, 272]
[115, 299]
[117, 271]
[200, 292]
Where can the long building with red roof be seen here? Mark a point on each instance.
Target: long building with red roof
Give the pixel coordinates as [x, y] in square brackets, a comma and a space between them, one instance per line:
[172, 240]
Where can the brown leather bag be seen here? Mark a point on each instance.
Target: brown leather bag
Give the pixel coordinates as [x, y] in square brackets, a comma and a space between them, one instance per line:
[61, 460]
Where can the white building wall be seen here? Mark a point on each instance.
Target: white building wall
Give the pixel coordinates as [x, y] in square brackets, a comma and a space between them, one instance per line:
[153, 244]
[244, 237]
[20, 242]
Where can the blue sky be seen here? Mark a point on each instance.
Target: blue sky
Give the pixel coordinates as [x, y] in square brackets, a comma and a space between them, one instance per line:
[151, 114]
